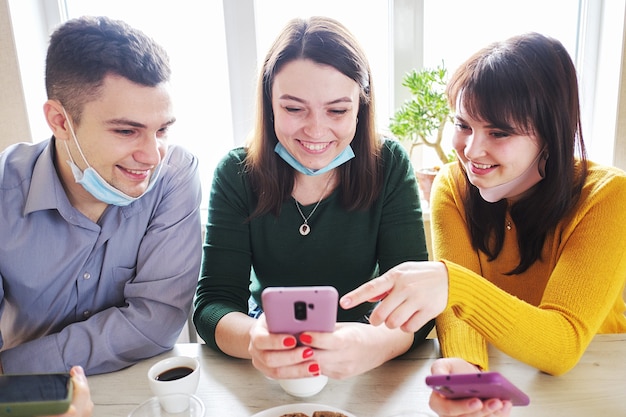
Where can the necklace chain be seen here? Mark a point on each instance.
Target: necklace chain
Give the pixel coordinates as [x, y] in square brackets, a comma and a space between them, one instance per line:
[305, 229]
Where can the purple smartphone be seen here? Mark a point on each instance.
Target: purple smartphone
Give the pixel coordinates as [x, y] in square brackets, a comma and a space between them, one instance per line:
[482, 385]
[294, 310]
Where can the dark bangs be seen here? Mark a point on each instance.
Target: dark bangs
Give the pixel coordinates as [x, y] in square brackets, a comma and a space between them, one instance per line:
[526, 85]
[324, 42]
[493, 89]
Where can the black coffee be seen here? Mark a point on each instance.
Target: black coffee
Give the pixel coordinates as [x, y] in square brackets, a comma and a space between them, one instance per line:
[174, 374]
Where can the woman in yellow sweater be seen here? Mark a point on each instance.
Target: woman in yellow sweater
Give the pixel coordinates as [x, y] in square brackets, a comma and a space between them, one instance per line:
[529, 233]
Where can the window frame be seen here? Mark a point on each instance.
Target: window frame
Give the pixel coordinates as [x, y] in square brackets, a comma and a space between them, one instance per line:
[598, 51]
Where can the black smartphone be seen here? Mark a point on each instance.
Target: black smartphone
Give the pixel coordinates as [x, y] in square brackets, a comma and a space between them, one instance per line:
[35, 394]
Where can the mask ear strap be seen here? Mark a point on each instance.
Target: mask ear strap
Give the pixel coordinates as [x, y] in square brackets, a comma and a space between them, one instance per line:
[67, 148]
[69, 124]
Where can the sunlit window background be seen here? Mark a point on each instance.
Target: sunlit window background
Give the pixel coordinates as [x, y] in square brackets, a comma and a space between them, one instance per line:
[193, 34]
[214, 102]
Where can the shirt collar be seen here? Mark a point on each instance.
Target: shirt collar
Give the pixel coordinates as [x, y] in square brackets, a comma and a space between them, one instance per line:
[46, 191]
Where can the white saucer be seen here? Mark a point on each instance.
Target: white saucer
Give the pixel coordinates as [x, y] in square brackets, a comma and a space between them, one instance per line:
[299, 408]
[151, 407]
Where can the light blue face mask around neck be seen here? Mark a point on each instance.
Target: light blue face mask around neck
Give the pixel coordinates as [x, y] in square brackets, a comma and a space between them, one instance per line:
[98, 186]
[345, 155]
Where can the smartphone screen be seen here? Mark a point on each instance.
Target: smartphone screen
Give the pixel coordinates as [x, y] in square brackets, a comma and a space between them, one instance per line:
[34, 394]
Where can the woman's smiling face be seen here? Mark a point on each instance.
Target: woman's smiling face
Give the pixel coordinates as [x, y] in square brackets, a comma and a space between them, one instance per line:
[491, 155]
[315, 111]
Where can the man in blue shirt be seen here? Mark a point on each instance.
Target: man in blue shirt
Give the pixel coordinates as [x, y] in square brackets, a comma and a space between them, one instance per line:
[100, 236]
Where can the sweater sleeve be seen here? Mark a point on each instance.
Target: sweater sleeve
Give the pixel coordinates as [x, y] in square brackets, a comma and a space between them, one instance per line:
[225, 272]
[584, 268]
[402, 216]
[451, 241]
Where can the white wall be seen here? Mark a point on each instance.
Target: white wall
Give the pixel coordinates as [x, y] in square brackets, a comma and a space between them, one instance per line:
[32, 22]
[13, 118]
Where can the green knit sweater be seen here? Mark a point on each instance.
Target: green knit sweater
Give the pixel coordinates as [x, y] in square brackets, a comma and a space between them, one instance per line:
[344, 249]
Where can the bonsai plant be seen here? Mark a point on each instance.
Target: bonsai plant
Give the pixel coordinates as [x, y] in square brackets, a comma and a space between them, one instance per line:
[421, 120]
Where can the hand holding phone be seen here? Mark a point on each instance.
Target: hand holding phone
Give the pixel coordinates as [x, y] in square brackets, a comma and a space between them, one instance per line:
[294, 310]
[483, 385]
[35, 394]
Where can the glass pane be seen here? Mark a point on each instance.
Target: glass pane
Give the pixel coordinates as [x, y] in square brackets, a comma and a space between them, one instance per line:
[454, 29]
[193, 34]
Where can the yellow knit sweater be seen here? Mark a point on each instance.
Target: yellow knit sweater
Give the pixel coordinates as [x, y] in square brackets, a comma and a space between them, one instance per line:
[546, 316]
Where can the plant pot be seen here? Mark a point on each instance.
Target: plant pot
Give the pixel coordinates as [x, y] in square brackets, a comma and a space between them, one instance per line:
[425, 179]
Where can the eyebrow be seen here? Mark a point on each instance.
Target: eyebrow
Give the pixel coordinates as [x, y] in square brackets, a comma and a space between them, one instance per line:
[299, 100]
[487, 125]
[509, 129]
[128, 122]
[456, 116]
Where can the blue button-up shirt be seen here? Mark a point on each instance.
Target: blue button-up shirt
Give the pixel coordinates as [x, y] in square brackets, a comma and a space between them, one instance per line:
[101, 295]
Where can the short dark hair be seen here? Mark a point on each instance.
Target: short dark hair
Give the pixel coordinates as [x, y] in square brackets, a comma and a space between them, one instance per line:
[83, 51]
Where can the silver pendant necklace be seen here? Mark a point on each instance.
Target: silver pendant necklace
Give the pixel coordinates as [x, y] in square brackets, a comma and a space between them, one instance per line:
[304, 228]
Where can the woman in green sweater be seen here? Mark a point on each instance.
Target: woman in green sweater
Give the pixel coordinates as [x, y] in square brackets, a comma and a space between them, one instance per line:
[316, 197]
[529, 233]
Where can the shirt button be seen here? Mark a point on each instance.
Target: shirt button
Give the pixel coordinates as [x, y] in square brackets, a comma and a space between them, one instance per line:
[86, 313]
[86, 275]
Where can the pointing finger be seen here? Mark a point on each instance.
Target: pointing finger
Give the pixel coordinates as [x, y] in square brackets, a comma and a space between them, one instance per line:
[373, 290]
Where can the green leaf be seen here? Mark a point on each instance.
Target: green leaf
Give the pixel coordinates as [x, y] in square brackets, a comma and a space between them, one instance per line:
[420, 118]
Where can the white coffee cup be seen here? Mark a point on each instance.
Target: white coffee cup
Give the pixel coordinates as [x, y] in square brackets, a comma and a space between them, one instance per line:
[304, 387]
[175, 375]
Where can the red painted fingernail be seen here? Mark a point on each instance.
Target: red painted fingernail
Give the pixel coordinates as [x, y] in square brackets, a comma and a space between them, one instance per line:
[307, 353]
[314, 368]
[306, 338]
[289, 341]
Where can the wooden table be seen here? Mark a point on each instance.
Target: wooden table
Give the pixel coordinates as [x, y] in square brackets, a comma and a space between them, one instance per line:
[596, 387]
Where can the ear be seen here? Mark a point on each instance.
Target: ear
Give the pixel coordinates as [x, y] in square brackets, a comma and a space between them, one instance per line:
[56, 119]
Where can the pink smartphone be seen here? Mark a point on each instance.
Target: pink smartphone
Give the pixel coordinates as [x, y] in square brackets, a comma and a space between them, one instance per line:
[294, 310]
[482, 385]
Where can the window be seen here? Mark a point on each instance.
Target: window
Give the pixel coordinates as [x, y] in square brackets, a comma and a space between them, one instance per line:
[209, 40]
[450, 31]
[461, 28]
[193, 34]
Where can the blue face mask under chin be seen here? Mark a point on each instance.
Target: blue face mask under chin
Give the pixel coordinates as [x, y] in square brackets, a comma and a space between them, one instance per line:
[340, 159]
[98, 186]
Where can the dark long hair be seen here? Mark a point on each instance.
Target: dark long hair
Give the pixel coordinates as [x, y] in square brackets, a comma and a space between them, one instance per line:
[527, 81]
[326, 42]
